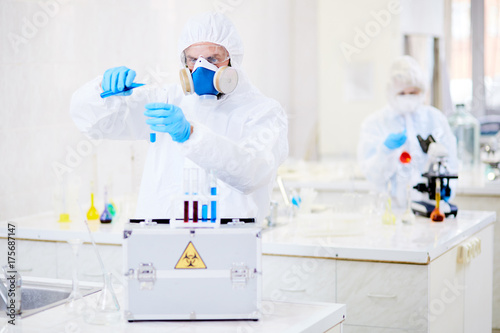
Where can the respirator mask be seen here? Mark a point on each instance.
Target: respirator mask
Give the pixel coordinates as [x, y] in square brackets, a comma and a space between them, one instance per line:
[406, 103]
[206, 79]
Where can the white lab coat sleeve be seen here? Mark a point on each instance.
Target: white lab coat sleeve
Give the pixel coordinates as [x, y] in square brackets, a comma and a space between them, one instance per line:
[114, 117]
[247, 164]
[377, 162]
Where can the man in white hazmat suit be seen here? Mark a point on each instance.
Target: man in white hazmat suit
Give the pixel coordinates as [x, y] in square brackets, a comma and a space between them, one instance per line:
[226, 126]
[394, 129]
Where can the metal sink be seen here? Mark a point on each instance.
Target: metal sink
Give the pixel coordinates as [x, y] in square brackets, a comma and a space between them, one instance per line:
[38, 295]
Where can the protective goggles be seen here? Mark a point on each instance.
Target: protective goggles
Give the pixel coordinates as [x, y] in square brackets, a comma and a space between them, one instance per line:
[213, 53]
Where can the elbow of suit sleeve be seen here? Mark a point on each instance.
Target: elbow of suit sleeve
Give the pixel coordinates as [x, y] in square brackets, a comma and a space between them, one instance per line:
[245, 167]
[86, 105]
[259, 173]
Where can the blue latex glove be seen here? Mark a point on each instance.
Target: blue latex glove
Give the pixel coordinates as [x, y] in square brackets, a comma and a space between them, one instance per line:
[168, 118]
[395, 140]
[116, 79]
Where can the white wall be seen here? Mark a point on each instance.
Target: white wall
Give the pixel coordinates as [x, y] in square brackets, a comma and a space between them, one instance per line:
[422, 17]
[355, 53]
[357, 42]
[72, 41]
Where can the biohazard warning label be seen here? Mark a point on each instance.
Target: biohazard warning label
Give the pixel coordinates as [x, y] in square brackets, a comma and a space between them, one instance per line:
[190, 258]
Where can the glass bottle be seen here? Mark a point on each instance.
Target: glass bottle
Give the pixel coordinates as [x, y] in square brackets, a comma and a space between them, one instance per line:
[466, 129]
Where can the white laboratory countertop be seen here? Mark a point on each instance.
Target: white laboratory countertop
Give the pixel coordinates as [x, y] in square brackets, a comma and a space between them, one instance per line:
[357, 238]
[276, 317]
[327, 235]
[44, 226]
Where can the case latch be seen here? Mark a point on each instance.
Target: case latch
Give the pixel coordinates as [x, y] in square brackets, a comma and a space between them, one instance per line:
[146, 275]
[239, 275]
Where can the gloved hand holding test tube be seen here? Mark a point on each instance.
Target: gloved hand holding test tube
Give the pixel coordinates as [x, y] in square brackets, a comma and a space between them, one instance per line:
[118, 81]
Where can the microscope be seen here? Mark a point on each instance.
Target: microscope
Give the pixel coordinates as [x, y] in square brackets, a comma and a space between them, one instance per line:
[438, 176]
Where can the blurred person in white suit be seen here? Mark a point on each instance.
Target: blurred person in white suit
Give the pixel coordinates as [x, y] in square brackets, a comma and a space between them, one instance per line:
[386, 134]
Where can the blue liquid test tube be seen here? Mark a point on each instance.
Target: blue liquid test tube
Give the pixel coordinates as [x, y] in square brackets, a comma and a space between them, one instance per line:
[213, 205]
[204, 213]
[212, 183]
[152, 135]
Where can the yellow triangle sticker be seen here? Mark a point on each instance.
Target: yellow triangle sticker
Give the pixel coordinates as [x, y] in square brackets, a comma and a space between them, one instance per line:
[190, 258]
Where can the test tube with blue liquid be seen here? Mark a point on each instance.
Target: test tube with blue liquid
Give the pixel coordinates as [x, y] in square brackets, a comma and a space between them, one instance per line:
[152, 135]
[212, 181]
[204, 211]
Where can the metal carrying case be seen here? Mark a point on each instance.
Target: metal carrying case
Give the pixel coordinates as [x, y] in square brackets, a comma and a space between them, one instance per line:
[192, 273]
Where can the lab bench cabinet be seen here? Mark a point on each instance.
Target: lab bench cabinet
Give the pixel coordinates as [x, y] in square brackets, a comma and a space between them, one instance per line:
[298, 279]
[452, 293]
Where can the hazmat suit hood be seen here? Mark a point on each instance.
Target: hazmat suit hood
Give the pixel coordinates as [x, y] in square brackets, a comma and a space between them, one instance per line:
[405, 73]
[215, 28]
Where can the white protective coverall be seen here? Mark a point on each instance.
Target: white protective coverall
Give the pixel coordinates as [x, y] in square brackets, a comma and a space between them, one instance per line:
[380, 164]
[241, 137]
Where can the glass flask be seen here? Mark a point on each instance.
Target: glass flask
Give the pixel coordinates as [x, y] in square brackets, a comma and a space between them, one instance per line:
[107, 310]
[436, 215]
[75, 303]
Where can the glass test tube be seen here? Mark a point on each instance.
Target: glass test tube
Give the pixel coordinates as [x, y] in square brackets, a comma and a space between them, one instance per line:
[204, 212]
[186, 195]
[194, 192]
[213, 192]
